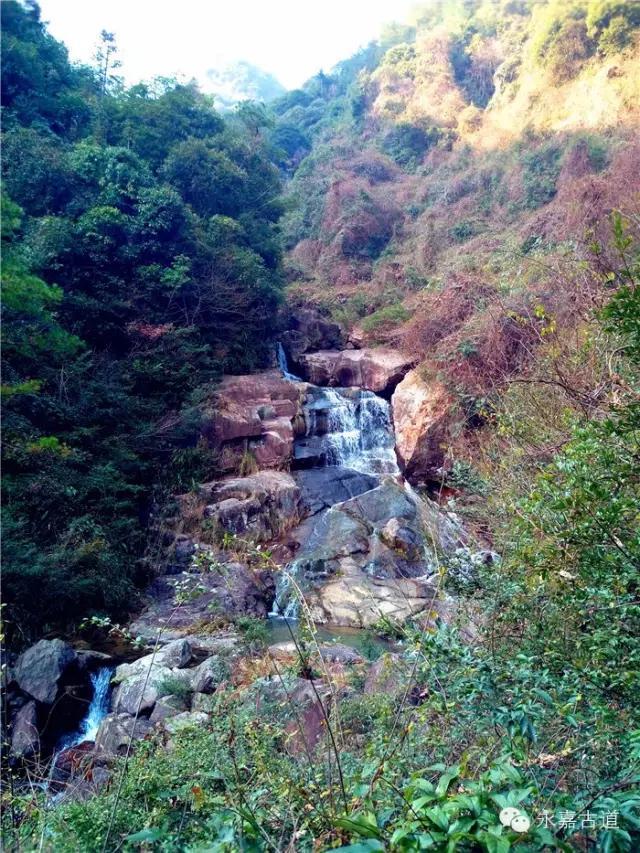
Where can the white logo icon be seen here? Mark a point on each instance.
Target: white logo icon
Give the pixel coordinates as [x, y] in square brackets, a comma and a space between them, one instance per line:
[514, 819]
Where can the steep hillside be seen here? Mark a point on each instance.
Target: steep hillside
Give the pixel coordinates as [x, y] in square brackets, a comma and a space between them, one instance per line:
[448, 181]
[141, 260]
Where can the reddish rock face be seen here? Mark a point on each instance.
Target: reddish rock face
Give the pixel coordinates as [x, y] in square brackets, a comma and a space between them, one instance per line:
[389, 675]
[421, 416]
[73, 760]
[256, 413]
[254, 387]
[264, 504]
[276, 442]
[377, 369]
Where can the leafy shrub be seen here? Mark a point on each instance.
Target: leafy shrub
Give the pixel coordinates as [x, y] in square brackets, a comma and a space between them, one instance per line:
[467, 348]
[598, 152]
[541, 168]
[370, 645]
[173, 685]
[475, 60]
[248, 464]
[613, 23]
[452, 811]
[414, 279]
[391, 315]
[616, 37]
[464, 230]
[570, 47]
[255, 632]
[407, 143]
[463, 475]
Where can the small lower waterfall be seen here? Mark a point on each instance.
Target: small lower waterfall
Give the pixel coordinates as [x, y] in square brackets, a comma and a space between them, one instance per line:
[282, 364]
[286, 604]
[98, 709]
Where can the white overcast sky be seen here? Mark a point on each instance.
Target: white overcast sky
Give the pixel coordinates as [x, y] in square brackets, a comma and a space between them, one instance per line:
[293, 39]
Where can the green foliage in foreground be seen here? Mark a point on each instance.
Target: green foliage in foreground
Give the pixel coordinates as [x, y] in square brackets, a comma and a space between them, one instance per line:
[487, 732]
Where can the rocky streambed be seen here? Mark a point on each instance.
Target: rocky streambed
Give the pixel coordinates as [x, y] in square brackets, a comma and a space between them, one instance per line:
[323, 524]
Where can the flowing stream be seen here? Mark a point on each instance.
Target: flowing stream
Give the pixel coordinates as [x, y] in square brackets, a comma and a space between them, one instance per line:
[346, 428]
[98, 710]
[282, 364]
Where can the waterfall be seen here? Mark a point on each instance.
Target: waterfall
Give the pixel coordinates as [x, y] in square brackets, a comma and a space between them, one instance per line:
[352, 429]
[286, 604]
[282, 364]
[98, 709]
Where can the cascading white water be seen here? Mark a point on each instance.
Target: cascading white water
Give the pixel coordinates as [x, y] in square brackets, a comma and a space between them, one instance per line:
[357, 430]
[345, 428]
[286, 604]
[282, 364]
[98, 710]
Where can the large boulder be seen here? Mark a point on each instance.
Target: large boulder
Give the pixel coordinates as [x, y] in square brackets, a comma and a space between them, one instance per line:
[339, 653]
[115, 733]
[173, 655]
[254, 413]
[310, 332]
[208, 675]
[25, 738]
[263, 505]
[308, 727]
[142, 682]
[41, 669]
[356, 600]
[377, 369]
[329, 652]
[139, 693]
[324, 487]
[90, 660]
[372, 556]
[298, 705]
[167, 706]
[185, 721]
[184, 604]
[421, 417]
[388, 675]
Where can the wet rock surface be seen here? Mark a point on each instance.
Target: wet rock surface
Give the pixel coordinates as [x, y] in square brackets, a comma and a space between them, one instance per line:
[321, 488]
[370, 557]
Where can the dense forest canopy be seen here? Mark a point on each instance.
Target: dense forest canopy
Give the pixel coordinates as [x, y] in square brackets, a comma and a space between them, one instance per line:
[141, 260]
